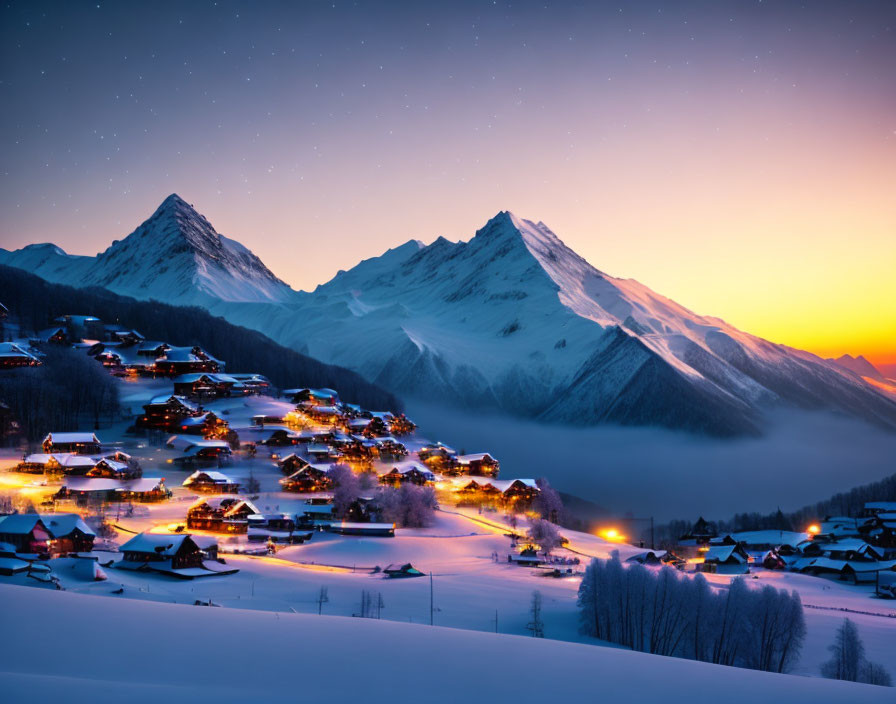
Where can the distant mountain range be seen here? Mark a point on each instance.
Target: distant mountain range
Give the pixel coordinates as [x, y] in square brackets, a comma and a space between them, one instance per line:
[512, 319]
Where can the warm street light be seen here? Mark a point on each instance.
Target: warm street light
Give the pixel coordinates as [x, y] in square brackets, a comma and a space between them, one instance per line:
[814, 529]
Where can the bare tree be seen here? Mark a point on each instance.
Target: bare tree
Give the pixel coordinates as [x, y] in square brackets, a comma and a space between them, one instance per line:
[322, 598]
[536, 624]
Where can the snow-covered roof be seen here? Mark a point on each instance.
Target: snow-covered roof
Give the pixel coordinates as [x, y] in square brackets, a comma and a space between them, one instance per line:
[62, 524]
[473, 457]
[155, 543]
[141, 485]
[217, 477]
[770, 537]
[503, 485]
[19, 523]
[55, 438]
[721, 553]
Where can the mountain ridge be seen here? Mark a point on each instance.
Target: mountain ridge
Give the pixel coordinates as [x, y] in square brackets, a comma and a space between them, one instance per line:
[512, 319]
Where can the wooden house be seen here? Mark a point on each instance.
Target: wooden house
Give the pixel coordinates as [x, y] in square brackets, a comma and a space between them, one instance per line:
[292, 463]
[729, 559]
[69, 533]
[166, 412]
[402, 425]
[479, 464]
[397, 571]
[204, 453]
[13, 355]
[211, 482]
[221, 514]
[517, 491]
[26, 532]
[377, 427]
[108, 468]
[80, 443]
[312, 397]
[176, 361]
[202, 385]
[143, 490]
[207, 424]
[700, 534]
[180, 550]
[388, 448]
[410, 472]
[311, 478]
[438, 455]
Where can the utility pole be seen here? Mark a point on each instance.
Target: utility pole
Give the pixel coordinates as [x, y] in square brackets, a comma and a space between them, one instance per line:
[431, 609]
[652, 540]
[496, 620]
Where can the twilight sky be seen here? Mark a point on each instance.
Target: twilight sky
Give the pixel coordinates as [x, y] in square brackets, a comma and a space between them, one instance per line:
[739, 158]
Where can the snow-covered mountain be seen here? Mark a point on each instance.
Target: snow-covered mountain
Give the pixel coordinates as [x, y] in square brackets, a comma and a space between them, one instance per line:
[512, 319]
[175, 256]
[859, 365]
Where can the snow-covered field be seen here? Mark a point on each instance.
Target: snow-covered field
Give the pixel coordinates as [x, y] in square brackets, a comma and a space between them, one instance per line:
[473, 589]
[148, 652]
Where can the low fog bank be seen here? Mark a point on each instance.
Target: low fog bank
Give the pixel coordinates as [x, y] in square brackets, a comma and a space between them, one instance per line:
[805, 458]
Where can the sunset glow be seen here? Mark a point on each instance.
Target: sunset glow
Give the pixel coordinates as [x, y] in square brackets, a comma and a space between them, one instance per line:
[735, 160]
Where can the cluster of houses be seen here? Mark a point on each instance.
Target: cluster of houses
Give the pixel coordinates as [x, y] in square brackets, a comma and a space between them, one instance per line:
[854, 549]
[88, 472]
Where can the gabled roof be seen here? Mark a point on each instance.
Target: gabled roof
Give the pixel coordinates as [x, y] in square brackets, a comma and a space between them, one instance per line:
[217, 477]
[19, 523]
[63, 524]
[105, 484]
[156, 543]
[722, 553]
[474, 457]
[165, 398]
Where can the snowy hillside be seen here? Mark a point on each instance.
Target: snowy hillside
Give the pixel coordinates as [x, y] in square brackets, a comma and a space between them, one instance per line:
[290, 656]
[512, 319]
[175, 256]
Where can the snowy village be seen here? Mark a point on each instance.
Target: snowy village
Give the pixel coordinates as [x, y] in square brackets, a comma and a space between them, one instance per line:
[480, 352]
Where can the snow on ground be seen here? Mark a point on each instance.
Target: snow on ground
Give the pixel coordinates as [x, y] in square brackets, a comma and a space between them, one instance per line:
[324, 658]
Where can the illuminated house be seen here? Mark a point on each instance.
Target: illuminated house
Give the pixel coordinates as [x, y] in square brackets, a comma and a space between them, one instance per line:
[26, 532]
[311, 478]
[69, 533]
[204, 452]
[727, 559]
[144, 490]
[479, 464]
[206, 386]
[13, 355]
[209, 481]
[438, 455]
[390, 448]
[185, 360]
[80, 443]
[161, 552]
[107, 468]
[205, 424]
[292, 463]
[221, 514]
[166, 412]
[412, 472]
[402, 425]
[312, 397]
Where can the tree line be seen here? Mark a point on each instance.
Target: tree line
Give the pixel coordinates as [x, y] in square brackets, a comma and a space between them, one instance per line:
[35, 303]
[848, 503]
[667, 613]
[69, 391]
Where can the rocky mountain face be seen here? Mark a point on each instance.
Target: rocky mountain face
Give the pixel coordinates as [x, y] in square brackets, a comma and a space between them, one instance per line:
[511, 319]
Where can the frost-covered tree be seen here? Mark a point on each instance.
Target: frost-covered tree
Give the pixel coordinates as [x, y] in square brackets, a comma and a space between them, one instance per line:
[875, 673]
[544, 534]
[848, 659]
[536, 624]
[408, 506]
[666, 613]
[548, 503]
[346, 489]
[847, 654]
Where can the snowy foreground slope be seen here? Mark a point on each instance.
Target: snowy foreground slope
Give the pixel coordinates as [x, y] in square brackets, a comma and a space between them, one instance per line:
[149, 652]
[512, 319]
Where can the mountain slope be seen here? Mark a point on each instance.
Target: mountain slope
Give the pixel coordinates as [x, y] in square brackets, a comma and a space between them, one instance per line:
[511, 319]
[175, 256]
